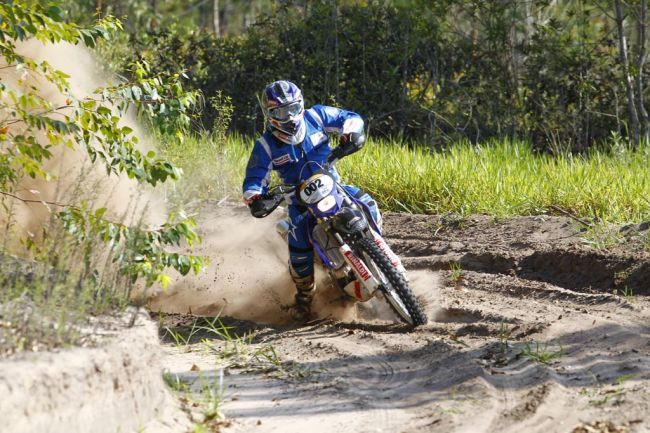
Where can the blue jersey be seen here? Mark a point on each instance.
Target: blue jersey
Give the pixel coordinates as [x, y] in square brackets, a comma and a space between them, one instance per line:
[292, 162]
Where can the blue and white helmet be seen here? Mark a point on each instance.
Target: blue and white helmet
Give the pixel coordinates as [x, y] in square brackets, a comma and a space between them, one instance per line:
[284, 109]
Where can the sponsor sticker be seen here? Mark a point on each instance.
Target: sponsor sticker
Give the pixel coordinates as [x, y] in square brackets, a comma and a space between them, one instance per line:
[358, 265]
[282, 159]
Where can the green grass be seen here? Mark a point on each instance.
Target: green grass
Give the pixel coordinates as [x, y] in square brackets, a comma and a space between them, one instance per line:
[504, 336]
[456, 273]
[503, 179]
[201, 398]
[498, 178]
[541, 353]
[603, 395]
[628, 294]
[211, 169]
[602, 236]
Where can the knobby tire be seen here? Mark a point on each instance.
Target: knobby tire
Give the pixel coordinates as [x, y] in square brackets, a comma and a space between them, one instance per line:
[396, 279]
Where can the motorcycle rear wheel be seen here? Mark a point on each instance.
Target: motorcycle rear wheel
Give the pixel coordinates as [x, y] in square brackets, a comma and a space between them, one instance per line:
[397, 292]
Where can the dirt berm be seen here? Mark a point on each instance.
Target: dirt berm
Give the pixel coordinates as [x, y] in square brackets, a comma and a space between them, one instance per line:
[116, 387]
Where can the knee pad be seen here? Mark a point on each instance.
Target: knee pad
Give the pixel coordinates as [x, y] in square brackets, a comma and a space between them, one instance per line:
[301, 260]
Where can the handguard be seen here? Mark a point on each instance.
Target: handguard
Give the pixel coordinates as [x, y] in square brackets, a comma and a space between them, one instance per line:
[353, 143]
[263, 207]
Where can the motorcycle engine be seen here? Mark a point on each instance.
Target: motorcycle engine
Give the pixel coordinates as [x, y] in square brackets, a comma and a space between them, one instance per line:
[329, 246]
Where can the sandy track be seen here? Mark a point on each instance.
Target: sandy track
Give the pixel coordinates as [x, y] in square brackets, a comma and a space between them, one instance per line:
[529, 288]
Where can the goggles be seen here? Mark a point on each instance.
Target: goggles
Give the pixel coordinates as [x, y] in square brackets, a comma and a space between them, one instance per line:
[286, 112]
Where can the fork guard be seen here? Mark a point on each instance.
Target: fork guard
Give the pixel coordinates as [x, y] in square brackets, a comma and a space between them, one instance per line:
[365, 285]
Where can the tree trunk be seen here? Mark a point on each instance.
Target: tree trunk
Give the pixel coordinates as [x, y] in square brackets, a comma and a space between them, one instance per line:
[625, 63]
[641, 27]
[335, 17]
[514, 66]
[215, 18]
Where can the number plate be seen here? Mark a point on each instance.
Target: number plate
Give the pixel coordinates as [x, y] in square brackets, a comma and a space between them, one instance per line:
[316, 188]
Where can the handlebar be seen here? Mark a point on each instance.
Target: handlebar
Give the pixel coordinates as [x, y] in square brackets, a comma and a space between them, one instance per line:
[268, 202]
[279, 190]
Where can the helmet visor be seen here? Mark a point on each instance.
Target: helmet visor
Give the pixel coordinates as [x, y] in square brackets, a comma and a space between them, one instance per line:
[286, 112]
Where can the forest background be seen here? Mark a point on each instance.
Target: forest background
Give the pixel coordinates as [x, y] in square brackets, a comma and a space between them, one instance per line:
[562, 75]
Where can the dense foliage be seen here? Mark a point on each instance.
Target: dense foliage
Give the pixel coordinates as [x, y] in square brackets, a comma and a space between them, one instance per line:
[547, 72]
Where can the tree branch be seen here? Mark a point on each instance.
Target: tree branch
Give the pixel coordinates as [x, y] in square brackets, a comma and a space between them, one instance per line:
[45, 202]
[24, 200]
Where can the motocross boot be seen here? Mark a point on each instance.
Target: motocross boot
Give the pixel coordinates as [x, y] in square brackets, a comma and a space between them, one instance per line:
[301, 310]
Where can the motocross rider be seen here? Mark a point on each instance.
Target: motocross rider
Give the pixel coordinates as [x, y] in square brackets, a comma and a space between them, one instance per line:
[296, 144]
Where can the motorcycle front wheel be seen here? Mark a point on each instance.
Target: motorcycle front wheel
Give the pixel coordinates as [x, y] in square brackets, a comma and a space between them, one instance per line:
[394, 288]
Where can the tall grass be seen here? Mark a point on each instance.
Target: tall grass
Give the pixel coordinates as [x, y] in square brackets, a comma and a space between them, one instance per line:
[47, 298]
[212, 168]
[500, 178]
[54, 284]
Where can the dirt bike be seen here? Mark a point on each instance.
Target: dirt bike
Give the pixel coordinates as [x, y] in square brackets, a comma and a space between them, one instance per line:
[349, 243]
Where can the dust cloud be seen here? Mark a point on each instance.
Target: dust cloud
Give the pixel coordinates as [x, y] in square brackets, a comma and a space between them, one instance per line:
[427, 287]
[248, 277]
[75, 179]
[425, 284]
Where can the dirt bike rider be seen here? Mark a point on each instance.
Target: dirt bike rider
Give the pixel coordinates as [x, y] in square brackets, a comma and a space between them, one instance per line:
[293, 137]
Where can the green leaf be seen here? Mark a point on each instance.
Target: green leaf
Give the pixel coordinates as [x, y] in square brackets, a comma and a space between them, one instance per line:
[137, 93]
[55, 13]
[164, 280]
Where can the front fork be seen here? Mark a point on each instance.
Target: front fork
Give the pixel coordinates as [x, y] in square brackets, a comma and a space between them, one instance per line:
[365, 285]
